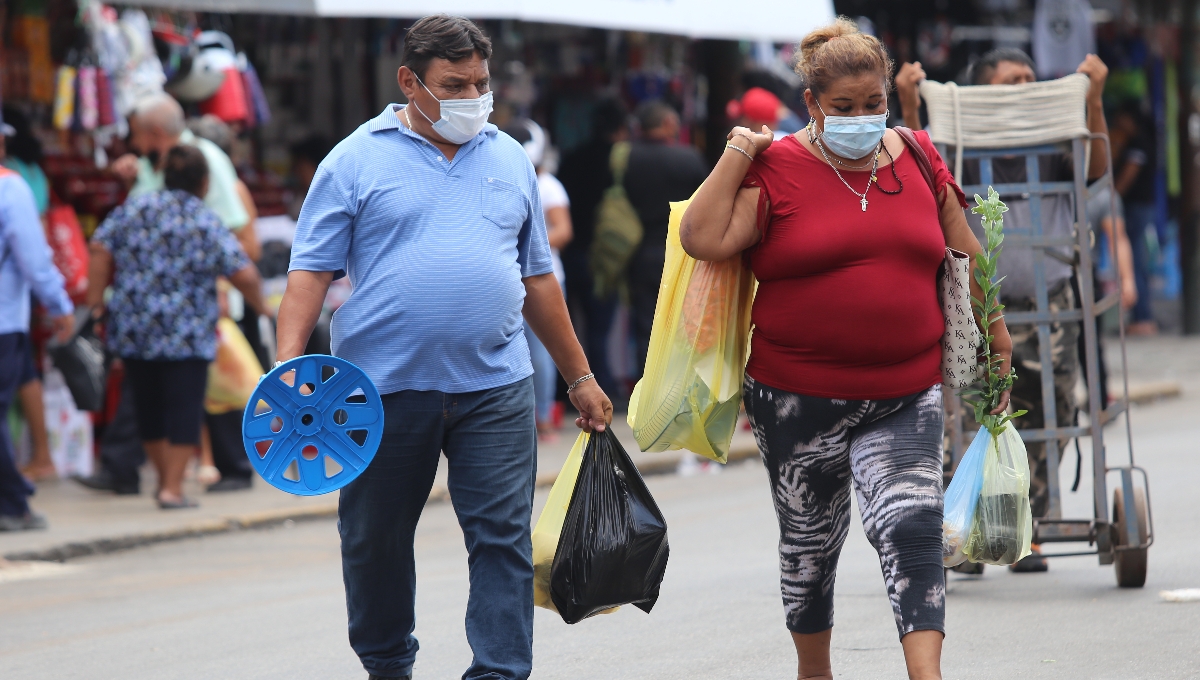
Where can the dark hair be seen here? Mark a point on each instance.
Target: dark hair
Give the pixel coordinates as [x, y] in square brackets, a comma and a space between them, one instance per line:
[982, 70]
[653, 113]
[441, 36]
[24, 144]
[517, 130]
[608, 118]
[840, 50]
[314, 148]
[185, 169]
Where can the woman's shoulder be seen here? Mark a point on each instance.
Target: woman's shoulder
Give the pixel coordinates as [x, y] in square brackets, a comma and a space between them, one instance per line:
[782, 153]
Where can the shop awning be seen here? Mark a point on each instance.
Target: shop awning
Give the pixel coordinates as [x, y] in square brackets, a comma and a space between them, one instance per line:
[779, 20]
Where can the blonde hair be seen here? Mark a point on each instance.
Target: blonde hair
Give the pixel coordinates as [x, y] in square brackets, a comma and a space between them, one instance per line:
[839, 50]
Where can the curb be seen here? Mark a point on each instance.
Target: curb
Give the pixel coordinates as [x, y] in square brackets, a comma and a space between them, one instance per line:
[1147, 393]
[269, 518]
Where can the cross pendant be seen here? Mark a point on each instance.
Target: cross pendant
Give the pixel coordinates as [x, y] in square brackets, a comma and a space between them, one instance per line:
[864, 203]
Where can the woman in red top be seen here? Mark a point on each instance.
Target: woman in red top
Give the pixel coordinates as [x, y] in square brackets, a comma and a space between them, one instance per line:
[843, 383]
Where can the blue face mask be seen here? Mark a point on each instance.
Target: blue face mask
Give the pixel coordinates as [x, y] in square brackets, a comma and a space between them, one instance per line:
[853, 137]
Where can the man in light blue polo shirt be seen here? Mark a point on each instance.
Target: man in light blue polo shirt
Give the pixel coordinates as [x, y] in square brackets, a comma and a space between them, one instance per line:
[435, 217]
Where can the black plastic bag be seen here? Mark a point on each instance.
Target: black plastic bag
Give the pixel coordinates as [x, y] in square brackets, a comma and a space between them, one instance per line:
[84, 366]
[613, 547]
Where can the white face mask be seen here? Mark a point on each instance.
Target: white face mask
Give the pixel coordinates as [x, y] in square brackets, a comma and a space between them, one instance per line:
[461, 119]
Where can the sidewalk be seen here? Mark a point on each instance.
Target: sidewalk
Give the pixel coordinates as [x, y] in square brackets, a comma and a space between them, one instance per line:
[85, 522]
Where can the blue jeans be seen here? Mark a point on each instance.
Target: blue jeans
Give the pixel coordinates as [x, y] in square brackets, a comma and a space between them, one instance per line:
[544, 375]
[490, 442]
[1139, 220]
[14, 489]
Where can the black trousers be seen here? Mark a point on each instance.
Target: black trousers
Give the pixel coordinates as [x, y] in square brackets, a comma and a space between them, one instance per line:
[121, 452]
[645, 276]
[229, 453]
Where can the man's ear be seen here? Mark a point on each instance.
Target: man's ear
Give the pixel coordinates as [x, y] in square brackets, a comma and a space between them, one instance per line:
[407, 80]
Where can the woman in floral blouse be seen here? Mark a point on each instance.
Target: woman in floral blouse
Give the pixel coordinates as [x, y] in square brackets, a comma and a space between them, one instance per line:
[162, 253]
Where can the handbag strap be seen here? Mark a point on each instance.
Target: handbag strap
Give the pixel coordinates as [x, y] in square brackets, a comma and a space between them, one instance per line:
[919, 155]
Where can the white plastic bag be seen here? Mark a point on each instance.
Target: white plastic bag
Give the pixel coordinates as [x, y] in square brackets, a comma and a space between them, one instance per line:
[987, 516]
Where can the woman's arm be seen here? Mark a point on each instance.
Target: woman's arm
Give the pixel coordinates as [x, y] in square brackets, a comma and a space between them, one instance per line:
[558, 226]
[960, 237]
[1129, 291]
[722, 219]
[246, 235]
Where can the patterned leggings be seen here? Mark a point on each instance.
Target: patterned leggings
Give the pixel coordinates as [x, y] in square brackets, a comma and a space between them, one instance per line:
[892, 450]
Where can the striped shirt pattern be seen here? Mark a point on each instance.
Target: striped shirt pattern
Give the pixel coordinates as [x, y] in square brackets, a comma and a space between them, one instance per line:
[435, 250]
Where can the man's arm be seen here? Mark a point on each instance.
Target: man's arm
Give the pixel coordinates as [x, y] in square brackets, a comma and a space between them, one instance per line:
[246, 235]
[546, 312]
[248, 282]
[1129, 291]
[908, 82]
[1128, 175]
[1097, 73]
[299, 310]
[26, 245]
[100, 268]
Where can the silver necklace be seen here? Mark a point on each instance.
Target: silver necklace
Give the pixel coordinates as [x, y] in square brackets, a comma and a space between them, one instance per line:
[863, 196]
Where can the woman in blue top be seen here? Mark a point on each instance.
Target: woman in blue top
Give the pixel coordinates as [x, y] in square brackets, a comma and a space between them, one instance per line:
[163, 251]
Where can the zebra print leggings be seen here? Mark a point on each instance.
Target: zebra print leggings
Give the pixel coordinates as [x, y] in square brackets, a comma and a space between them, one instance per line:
[892, 450]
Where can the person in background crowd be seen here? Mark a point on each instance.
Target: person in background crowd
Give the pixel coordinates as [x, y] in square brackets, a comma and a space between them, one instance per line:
[1010, 66]
[220, 133]
[1134, 136]
[446, 253]
[556, 207]
[220, 468]
[585, 174]
[155, 127]
[163, 251]
[844, 384]
[756, 108]
[306, 155]
[24, 155]
[1101, 217]
[25, 266]
[660, 171]
[121, 452]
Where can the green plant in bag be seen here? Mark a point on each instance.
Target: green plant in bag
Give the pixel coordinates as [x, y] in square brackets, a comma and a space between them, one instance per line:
[984, 395]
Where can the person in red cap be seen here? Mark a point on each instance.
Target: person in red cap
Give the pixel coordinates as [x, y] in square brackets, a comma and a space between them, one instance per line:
[756, 108]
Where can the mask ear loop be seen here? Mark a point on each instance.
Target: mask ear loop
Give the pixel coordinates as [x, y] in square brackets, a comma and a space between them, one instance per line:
[414, 101]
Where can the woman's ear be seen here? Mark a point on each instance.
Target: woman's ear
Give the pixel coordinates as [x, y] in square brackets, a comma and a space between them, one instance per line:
[814, 111]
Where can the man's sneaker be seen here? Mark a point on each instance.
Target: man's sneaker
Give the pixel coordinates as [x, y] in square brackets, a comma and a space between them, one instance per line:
[29, 522]
[229, 484]
[1032, 563]
[102, 480]
[971, 568]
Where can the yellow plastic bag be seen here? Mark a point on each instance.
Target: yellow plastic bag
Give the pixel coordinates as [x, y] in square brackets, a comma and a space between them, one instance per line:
[690, 393]
[234, 374]
[550, 524]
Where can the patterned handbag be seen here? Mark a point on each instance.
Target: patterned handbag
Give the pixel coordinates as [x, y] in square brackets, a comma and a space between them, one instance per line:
[962, 340]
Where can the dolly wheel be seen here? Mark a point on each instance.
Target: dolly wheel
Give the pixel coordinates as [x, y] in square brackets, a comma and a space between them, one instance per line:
[1130, 565]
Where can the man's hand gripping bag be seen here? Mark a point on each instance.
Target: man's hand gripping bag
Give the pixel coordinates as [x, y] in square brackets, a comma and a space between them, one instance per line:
[613, 546]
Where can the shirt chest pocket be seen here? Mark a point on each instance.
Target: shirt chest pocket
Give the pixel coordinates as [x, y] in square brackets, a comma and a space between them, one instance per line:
[504, 203]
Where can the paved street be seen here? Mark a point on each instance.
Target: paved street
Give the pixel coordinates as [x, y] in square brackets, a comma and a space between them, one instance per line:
[269, 603]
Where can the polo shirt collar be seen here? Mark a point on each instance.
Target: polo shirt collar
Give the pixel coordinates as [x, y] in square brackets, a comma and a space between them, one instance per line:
[389, 119]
